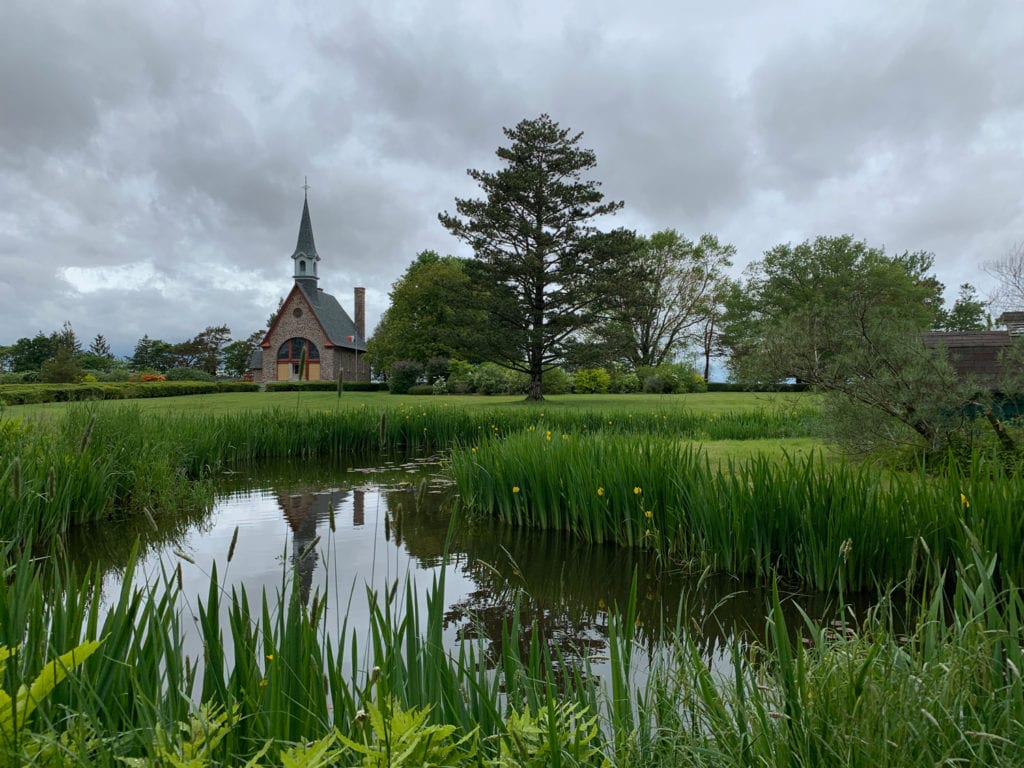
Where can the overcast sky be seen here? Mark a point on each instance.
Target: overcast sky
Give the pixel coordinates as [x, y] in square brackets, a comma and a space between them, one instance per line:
[152, 154]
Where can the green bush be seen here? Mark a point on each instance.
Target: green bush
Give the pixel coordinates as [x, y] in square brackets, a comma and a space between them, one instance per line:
[436, 368]
[307, 386]
[422, 389]
[670, 379]
[25, 394]
[188, 374]
[556, 382]
[404, 374]
[591, 381]
[492, 379]
[623, 380]
[460, 377]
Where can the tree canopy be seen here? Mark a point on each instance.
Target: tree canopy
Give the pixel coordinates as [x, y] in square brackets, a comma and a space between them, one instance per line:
[673, 286]
[428, 315]
[541, 268]
[847, 318]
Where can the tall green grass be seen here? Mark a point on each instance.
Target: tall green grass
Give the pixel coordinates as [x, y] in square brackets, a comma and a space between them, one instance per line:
[280, 683]
[829, 525]
[97, 462]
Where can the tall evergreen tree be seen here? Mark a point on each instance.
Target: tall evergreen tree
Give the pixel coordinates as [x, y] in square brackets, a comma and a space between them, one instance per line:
[541, 266]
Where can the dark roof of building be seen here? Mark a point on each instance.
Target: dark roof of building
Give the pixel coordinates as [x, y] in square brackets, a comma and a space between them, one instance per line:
[305, 245]
[335, 320]
[973, 353]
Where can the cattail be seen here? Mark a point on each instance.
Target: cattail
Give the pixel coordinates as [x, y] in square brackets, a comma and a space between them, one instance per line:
[51, 484]
[184, 557]
[177, 573]
[231, 548]
[87, 434]
[308, 548]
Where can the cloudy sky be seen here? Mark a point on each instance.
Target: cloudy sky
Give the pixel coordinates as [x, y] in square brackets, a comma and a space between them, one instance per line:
[152, 154]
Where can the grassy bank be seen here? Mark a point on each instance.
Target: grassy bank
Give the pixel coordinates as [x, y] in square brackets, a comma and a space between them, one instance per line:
[285, 684]
[89, 461]
[823, 522]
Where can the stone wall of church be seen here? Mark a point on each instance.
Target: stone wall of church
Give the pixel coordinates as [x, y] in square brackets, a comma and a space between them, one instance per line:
[305, 326]
[353, 364]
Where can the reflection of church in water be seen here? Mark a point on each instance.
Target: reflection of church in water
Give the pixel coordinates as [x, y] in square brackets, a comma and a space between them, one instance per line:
[304, 511]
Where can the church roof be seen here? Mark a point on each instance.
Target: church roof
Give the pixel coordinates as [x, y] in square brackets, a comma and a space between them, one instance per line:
[335, 320]
[305, 245]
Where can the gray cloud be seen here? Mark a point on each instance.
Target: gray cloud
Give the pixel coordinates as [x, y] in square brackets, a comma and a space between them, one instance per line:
[152, 156]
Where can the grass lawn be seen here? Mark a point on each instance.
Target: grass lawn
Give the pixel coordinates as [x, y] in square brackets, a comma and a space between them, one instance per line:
[215, 404]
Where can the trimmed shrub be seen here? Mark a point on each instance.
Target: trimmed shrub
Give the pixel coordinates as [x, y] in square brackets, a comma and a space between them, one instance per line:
[591, 381]
[422, 389]
[404, 374]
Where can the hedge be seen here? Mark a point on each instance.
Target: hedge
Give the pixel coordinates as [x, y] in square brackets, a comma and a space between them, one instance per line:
[729, 386]
[325, 386]
[24, 394]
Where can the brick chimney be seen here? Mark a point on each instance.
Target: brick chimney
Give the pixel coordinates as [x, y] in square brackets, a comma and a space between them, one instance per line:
[360, 317]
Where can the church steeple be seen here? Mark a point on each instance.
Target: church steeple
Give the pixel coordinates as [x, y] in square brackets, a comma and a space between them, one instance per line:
[305, 256]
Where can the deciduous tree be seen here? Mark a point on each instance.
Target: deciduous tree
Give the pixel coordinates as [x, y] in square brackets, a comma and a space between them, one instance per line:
[847, 318]
[429, 314]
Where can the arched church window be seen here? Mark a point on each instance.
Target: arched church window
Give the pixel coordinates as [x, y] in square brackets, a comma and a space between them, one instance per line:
[291, 350]
[302, 267]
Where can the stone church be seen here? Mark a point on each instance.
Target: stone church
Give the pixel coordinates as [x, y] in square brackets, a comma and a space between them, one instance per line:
[312, 338]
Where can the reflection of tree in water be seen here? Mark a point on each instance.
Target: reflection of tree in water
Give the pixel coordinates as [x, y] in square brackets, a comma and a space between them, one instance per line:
[564, 589]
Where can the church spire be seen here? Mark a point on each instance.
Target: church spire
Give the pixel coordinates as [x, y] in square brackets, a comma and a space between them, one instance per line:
[305, 256]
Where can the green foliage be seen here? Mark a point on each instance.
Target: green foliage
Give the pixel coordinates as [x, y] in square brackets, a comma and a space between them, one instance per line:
[459, 376]
[755, 517]
[556, 381]
[403, 376]
[188, 374]
[428, 314]
[238, 353]
[670, 379]
[397, 738]
[493, 379]
[966, 314]
[590, 381]
[534, 229]
[16, 710]
[674, 286]
[15, 394]
[61, 368]
[422, 389]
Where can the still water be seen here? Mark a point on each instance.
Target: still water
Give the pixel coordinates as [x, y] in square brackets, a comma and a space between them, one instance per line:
[371, 525]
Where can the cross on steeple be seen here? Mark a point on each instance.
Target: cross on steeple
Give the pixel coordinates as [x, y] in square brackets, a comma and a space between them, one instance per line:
[305, 184]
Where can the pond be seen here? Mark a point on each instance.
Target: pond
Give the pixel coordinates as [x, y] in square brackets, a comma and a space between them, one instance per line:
[382, 524]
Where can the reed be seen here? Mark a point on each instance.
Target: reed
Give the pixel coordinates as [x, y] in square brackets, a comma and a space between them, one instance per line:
[828, 525]
[95, 463]
[274, 686]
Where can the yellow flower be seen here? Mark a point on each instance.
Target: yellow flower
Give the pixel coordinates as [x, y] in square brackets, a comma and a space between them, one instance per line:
[531, 427]
[474, 449]
[565, 436]
[637, 490]
[647, 532]
[600, 603]
[600, 491]
[263, 683]
[547, 435]
[964, 502]
[649, 514]
[515, 489]
[270, 657]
